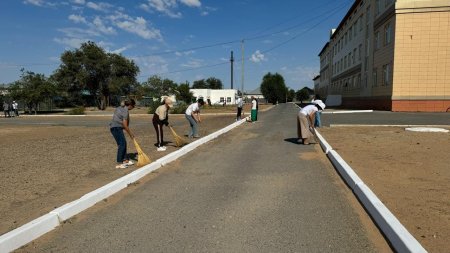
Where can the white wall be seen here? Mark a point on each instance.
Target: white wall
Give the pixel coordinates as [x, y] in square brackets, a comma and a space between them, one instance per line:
[228, 95]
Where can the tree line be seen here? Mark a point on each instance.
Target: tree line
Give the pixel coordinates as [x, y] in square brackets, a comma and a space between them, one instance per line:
[90, 76]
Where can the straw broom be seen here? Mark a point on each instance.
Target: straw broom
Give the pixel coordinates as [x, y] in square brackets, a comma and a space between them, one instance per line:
[142, 157]
[179, 141]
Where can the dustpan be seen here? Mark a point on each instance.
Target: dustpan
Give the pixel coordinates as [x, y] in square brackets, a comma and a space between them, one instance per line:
[143, 159]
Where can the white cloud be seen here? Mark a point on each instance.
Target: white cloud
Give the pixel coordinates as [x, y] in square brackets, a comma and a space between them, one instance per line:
[169, 7]
[194, 63]
[77, 19]
[191, 3]
[137, 26]
[258, 57]
[151, 65]
[99, 6]
[120, 50]
[101, 27]
[300, 75]
[35, 2]
[82, 2]
[71, 42]
[185, 53]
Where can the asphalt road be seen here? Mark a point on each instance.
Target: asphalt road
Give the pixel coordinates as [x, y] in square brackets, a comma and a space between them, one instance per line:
[250, 190]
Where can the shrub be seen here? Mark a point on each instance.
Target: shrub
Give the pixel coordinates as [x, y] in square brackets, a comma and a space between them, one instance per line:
[152, 105]
[76, 111]
[180, 108]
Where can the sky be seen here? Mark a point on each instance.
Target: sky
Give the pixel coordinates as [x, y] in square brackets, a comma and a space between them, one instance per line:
[182, 40]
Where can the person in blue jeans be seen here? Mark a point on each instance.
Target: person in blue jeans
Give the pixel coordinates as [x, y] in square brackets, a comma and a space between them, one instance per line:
[316, 100]
[120, 122]
[192, 114]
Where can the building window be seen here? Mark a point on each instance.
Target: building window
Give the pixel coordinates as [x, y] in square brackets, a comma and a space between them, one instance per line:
[350, 33]
[222, 99]
[376, 40]
[368, 14]
[345, 62]
[374, 78]
[350, 59]
[361, 22]
[354, 55]
[377, 7]
[359, 52]
[387, 3]
[228, 99]
[386, 74]
[387, 34]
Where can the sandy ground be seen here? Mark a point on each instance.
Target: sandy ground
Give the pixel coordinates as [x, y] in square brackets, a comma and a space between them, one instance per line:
[45, 166]
[49, 161]
[408, 171]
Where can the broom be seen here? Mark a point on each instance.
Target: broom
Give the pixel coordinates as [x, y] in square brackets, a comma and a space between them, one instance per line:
[179, 141]
[313, 130]
[142, 157]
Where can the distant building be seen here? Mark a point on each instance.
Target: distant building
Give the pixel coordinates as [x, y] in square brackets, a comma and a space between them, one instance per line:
[255, 93]
[216, 96]
[316, 81]
[390, 55]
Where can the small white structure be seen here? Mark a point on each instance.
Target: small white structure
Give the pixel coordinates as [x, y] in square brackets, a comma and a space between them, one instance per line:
[227, 96]
[256, 93]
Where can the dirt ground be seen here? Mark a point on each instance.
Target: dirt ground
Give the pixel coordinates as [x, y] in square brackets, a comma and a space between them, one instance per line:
[44, 166]
[408, 171]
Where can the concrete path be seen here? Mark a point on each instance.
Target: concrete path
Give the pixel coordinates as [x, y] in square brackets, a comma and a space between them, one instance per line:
[251, 190]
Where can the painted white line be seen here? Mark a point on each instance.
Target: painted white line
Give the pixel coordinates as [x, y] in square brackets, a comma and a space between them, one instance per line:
[28, 232]
[36, 228]
[368, 125]
[352, 111]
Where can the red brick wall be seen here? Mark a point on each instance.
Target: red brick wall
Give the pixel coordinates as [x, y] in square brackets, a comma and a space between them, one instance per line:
[420, 105]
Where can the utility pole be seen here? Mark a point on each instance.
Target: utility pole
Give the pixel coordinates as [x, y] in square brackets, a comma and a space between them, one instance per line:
[231, 61]
[242, 72]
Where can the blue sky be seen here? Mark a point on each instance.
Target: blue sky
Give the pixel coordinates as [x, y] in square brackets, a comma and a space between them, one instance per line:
[183, 40]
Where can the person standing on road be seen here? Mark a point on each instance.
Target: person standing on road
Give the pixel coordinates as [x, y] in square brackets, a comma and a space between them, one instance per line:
[239, 104]
[305, 119]
[193, 116]
[15, 106]
[254, 111]
[160, 118]
[6, 109]
[120, 122]
[317, 122]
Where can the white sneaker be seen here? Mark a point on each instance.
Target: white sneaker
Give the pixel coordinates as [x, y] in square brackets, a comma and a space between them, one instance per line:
[161, 149]
[121, 166]
[129, 163]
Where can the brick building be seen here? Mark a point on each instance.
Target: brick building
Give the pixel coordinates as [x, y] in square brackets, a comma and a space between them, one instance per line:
[390, 55]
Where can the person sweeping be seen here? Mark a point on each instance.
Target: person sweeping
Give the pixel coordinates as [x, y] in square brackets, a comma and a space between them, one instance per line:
[192, 114]
[160, 118]
[120, 122]
[305, 122]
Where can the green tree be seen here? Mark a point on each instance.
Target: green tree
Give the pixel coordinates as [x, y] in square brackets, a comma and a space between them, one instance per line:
[183, 93]
[90, 68]
[200, 84]
[32, 89]
[273, 88]
[156, 87]
[214, 83]
[290, 95]
[302, 94]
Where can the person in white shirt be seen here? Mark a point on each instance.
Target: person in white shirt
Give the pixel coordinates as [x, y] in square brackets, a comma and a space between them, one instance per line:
[254, 111]
[305, 121]
[239, 104]
[193, 116]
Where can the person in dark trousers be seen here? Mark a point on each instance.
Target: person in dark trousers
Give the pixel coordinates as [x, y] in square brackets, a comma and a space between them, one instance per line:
[6, 109]
[160, 118]
[239, 104]
[120, 122]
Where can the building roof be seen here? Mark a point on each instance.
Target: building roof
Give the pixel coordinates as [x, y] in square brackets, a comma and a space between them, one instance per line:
[324, 47]
[349, 12]
[256, 91]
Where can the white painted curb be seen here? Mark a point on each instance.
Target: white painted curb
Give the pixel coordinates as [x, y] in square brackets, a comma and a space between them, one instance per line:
[353, 111]
[36, 228]
[28, 232]
[398, 235]
[395, 232]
